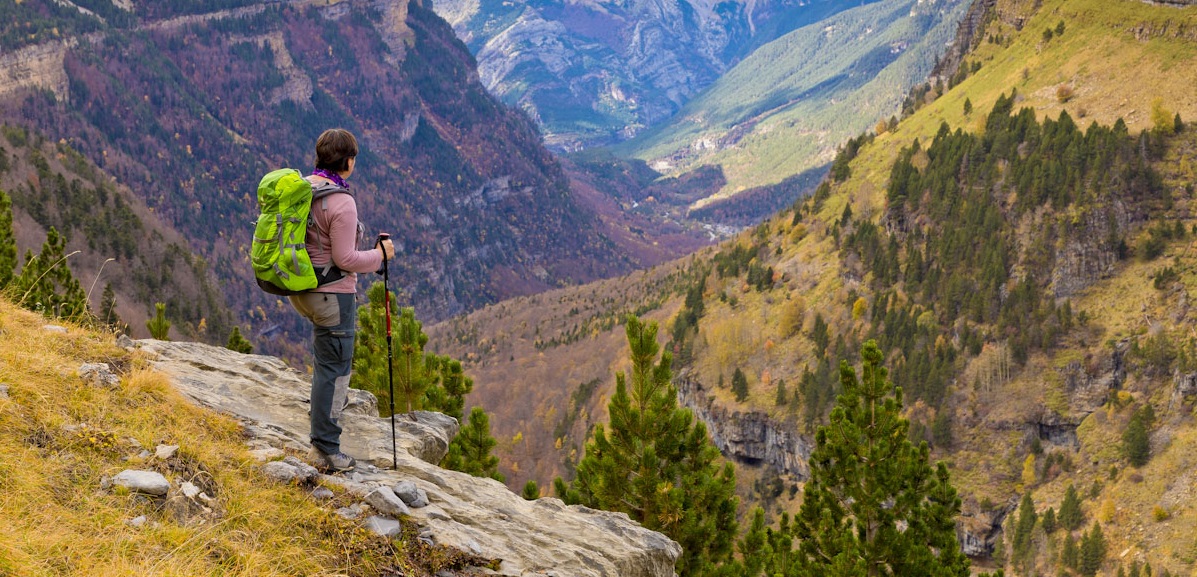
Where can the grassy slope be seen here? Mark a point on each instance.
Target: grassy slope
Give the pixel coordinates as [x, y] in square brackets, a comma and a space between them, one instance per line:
[1115, 75]
[58, 520]
[806, 92]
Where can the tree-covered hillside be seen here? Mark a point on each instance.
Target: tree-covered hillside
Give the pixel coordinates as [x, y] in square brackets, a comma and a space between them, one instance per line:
[1019, 245]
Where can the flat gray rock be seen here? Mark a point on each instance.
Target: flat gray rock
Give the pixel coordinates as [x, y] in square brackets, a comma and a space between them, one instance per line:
[165, 452]
[3, 391]
[280, 471]
[147, 482]
[383, 527]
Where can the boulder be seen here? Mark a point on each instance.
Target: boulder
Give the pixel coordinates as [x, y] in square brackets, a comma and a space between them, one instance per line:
[473, 514]
[409, 493]
[384, 501]
[147, 482]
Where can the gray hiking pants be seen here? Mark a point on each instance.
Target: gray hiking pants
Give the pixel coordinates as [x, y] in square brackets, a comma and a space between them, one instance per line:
[334, 316]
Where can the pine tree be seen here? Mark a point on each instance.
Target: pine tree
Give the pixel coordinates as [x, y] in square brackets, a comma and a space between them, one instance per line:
[1136, 444]
[239, 343]
[469, 452]
[1070, 556]
[411, 370]
[654, 462]
[158, 325]
[739, 385]
[8, 241]
[421, 380]
[1023, 528]
[531, 491]
[782, 397]
[1093, 551]
[1049, 521]
[1070, 516]
[755, 549]
[46, 283]
[874, 505]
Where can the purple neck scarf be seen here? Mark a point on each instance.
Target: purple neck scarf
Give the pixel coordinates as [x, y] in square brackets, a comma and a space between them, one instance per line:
[336, 178]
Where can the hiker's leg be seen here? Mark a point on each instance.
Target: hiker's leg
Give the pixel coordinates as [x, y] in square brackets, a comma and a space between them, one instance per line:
[333, 352]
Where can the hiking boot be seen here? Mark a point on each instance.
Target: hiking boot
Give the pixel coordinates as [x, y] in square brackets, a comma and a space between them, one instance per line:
[335, 462]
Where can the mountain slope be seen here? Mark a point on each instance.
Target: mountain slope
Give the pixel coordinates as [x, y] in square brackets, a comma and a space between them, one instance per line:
[1028, 275]
[786, 108]
[121, 244]
[188, 107]
[598, 72]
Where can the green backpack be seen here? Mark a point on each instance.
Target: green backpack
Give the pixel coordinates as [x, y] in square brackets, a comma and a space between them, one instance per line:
[280, 258]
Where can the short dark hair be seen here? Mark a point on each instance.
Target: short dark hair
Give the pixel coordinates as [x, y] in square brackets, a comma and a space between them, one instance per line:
[334, 148]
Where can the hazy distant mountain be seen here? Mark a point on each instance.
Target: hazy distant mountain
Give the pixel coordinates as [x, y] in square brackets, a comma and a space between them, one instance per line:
[596, 72]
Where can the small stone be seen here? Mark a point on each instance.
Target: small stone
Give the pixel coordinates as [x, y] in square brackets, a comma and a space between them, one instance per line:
[54, 329]
[349, 513]
[124, 342]
[383, 527]
[384, 501]
[412, 495]
[304, 473]
[165, 452]
[322, 493]
[147, 482]
[189, 490]
[137, 521]
[3, 391]
[99, 375]
[280, 471]
[267, 454]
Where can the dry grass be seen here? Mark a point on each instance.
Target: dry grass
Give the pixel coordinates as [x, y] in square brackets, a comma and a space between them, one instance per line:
[59, 437]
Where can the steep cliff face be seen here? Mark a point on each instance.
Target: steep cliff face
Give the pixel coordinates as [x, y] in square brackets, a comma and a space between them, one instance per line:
[596, 72]
[749, 437]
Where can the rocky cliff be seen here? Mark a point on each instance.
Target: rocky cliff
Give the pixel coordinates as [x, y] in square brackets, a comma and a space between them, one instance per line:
[531, 538]
[751, 437]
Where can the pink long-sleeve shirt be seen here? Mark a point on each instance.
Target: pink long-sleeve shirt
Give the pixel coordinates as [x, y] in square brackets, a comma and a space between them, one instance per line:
[337, 236]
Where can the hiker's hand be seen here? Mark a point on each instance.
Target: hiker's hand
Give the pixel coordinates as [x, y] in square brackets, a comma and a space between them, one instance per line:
[388, 248]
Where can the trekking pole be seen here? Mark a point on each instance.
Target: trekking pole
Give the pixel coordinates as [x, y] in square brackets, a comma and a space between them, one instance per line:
[386, 299]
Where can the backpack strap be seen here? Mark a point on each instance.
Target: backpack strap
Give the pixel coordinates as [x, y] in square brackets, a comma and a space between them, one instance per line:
[328, 273]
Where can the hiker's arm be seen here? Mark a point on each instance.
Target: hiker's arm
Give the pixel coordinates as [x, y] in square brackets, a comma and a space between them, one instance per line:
[342, 232]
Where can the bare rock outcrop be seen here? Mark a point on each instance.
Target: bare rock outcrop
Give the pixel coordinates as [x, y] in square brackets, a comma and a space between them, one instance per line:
[749, 436]
[481, 516]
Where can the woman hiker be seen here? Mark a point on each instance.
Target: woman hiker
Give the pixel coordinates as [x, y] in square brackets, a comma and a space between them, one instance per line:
[334, 234]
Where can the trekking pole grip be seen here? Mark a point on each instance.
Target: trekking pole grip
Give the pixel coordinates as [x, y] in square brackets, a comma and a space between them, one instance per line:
[381, 237]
